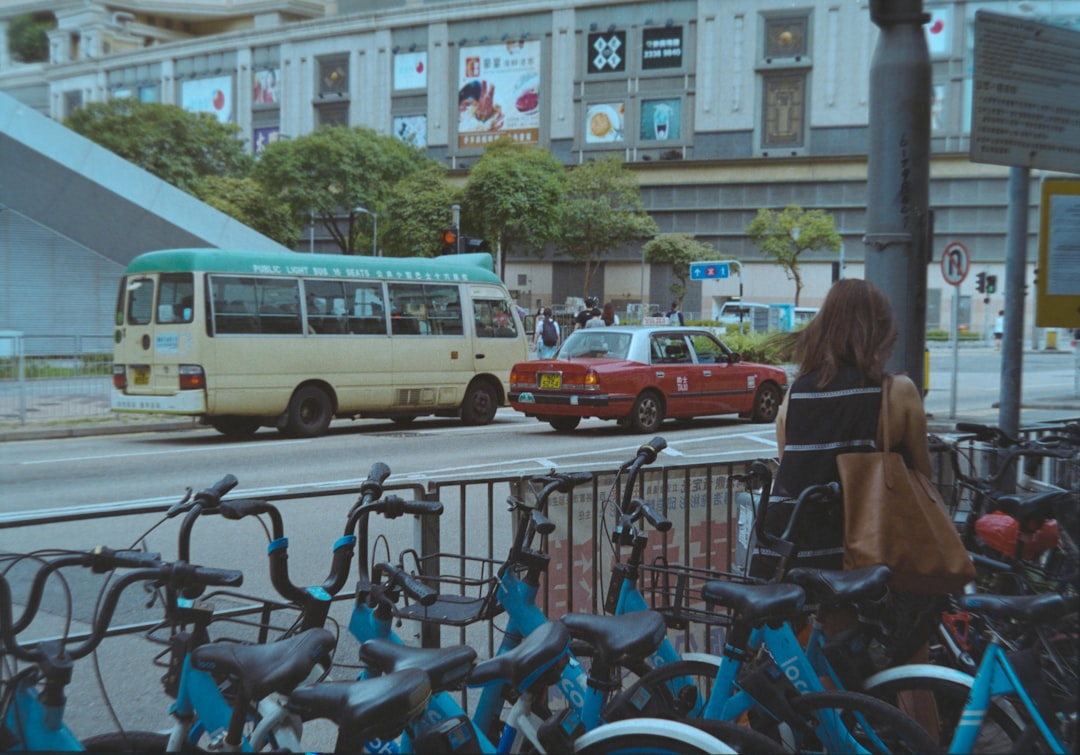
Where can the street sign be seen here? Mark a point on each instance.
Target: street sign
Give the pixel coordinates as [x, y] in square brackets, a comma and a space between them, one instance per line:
[709, 270]
[955, 263]
[1025, 101]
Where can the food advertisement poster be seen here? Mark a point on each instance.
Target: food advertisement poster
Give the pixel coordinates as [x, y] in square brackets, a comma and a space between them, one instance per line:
[212, 95]
[499, 93]
[604, 123]
[661, 120]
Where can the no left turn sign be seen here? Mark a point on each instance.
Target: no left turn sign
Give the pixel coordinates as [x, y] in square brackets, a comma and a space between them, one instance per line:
[955, 263]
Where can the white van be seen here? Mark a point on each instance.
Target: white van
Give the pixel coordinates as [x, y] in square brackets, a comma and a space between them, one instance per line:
[736, 312]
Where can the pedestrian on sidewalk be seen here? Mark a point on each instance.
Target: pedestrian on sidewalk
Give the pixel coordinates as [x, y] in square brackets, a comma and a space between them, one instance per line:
[999, 328]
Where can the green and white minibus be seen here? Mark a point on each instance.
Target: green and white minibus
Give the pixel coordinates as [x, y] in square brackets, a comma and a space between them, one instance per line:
[288, 340]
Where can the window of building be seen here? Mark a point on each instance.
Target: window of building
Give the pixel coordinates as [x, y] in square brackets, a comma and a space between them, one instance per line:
[333, 76]
[783, 110]
[784, 77]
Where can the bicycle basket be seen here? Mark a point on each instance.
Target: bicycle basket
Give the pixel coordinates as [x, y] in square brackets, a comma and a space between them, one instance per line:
[466, 587]
[674, 590]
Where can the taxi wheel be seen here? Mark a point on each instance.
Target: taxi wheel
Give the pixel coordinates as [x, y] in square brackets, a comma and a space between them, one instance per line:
[564, 424]
[766, 403]
[647, 414]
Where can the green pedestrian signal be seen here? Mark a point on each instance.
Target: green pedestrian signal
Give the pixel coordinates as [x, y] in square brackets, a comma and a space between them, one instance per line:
[991, 284]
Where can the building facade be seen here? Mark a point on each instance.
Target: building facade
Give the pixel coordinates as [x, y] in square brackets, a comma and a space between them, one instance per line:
[720, 107]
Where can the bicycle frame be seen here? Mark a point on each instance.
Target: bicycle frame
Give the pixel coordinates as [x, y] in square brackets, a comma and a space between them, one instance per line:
[996, 677]
[727, 702]
[40, 725]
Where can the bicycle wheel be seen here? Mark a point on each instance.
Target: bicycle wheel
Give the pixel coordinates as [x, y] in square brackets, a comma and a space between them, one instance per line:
[678, 690]
[874, 725]
[998, 733]
[649, 735]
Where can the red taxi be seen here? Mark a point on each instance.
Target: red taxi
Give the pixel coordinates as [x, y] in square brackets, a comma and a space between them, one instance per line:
[641, 375]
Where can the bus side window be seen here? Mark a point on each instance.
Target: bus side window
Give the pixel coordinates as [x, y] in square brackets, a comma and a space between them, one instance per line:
[365, 308]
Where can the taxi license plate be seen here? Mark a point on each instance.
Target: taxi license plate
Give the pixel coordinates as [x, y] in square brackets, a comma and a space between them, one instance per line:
[142, 376]
[551, 380]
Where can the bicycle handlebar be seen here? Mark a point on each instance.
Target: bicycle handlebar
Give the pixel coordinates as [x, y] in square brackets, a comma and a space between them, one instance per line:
[396, 577]
[208, 498]
[639, 509]
[176, 575]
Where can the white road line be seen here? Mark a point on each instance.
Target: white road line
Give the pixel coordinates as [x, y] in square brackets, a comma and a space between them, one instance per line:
[169, 451]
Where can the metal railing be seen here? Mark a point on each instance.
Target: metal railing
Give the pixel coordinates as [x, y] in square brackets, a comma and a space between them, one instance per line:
[52, 377]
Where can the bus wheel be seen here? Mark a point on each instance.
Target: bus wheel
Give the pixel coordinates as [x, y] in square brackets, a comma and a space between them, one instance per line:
[310, 412]
[479, 405]
[564, 424]
[236, 427]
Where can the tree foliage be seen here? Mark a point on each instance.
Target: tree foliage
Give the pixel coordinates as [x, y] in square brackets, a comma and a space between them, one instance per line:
[782, 235]
[512, 198]
[28, 38]
[245, 200]
[418, 208]
[168, 141]
[602, 210]
[332, 171]
[678, 250]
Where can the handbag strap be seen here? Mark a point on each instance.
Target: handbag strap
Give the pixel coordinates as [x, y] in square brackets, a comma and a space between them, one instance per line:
[883, 417]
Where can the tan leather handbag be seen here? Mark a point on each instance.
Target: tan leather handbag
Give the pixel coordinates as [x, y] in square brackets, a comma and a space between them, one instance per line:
[894, 515]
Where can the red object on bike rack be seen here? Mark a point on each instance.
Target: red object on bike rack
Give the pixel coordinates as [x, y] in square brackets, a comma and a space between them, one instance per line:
[1002, 533]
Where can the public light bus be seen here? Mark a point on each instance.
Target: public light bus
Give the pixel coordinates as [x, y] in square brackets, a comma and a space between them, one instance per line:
[288, 340]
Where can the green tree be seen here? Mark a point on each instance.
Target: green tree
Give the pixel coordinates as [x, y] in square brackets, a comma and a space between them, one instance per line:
[678, 250]
[418, 208]
[782, 235]
[168, 141]
[602, 210]
[512, 198]
[245, 200]
[332, 171]
[28, 38]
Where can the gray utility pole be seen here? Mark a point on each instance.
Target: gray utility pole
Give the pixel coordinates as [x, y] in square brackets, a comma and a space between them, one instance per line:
[898, 176]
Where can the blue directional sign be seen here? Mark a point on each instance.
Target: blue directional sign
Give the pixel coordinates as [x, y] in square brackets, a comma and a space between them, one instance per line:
[709, 270]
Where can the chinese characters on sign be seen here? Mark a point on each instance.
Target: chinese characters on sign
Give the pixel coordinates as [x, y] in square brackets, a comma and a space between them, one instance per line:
[499, 94]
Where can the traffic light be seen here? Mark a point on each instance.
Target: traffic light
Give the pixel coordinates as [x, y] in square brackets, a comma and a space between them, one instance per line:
[991, 284]
[449, 238]
[476, 245]
[980, 283]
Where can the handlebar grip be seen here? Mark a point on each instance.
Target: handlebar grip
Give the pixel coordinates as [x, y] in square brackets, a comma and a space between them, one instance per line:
[412, 586]
[422, 508]
[211, 577]
[541, 523]
[985, 433]
[392, 507]
[570, 481]
[652, 449]
[103, 559]
[245, 507]
[659, 522]
[217, 491]
[379, 472]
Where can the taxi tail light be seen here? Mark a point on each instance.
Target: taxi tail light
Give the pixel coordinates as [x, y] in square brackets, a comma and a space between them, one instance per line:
[119, 377]
[192, 377]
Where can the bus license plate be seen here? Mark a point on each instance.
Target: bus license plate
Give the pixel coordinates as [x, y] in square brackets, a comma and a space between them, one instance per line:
[552, 380]
[142, 376]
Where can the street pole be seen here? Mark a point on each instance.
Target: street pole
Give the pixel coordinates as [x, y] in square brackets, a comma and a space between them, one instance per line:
[898, 176]
[311, 234]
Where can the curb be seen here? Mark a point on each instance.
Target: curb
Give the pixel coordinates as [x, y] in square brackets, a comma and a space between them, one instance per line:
[85, 431]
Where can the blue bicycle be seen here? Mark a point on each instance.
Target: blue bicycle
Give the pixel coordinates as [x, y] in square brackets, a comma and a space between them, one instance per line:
[34, 698]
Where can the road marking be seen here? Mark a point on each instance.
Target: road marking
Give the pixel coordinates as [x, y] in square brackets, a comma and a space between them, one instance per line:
[169, 451]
